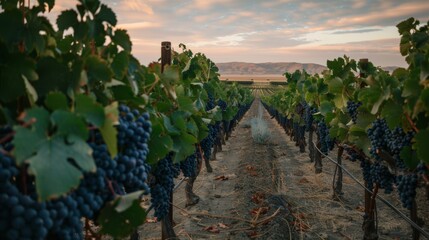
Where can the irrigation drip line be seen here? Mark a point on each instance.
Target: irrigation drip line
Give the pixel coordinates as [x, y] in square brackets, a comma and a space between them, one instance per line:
[397, 211]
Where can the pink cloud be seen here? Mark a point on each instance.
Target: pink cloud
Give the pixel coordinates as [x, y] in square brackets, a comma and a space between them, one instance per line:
[138, 25]
[403, 10]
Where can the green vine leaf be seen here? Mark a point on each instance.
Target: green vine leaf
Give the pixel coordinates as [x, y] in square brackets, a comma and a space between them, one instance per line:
[326, 107]
[67, 19]
[92, 111]
[392, 113]
[183, 146]
[56, 162]
[122, 39]
[69, 124]
[15, 27]
[186, 104]
[49, 3]
[108, 130]
[159, 143]
[409, 157]
[421, 146]
[106, 15]
[120, 64]
[122, 216]
[12, 75]
[53, 76]
[56, 101]
[335, 85]
[171, 129]
[98, 70]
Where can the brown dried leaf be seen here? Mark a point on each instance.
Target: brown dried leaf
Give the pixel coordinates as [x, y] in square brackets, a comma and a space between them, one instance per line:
[261, 210]
[212, 229]
[252, 234]
[221, 177]
[304, 180]
[258, 198]
[360, 208]
[222, 225]
[151, 220]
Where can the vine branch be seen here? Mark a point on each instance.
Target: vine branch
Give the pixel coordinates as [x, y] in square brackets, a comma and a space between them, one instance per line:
[413, 126]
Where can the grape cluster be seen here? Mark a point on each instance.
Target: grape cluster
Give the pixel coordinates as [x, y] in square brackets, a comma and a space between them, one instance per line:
[351, 154]
[382, 138]
[26, 218]
[162, 185]
[396, 140]
[407, 189]
[326, 143]
[210, 104]
[352, 109]
[22, 216]
[308, 117]
[133, 134]
[66, 217]
[207, 143]
[222, 104]
[366, 171]
[367, 168]
[189, 165]
[380, 174]
[376, 134]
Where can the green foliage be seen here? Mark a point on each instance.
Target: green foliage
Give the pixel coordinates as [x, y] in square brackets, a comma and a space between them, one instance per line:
[122, 216]
[57, 89]
[63, 149]
[402, 98]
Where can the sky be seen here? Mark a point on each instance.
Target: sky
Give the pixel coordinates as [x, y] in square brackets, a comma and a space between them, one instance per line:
[267, 30]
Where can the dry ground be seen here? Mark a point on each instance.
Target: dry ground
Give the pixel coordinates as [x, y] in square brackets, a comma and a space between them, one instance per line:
[270, 191]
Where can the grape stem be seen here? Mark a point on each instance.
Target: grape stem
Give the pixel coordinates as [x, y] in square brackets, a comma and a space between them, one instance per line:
[7, 138]
[4, 152]
[10, 135]
[153, 85]
[412, 123]
[109, 184]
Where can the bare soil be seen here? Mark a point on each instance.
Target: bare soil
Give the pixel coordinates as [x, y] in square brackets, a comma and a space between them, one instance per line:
[270, 191]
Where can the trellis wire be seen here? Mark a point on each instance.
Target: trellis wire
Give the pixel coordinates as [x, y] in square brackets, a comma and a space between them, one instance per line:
[397, 211]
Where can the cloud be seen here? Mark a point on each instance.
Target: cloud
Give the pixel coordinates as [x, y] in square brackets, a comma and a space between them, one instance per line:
[228, 40]
[138, 25]
[271, 30]
[136, 6]
[357, 31]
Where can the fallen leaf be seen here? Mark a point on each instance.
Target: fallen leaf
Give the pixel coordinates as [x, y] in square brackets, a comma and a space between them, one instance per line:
[258, 198]
[212, 229]
[222, 178]
[360, 208]
[304, 180]
[252, 234]
[151, 220]
[250, 167]
[261, 210]
[222, 225]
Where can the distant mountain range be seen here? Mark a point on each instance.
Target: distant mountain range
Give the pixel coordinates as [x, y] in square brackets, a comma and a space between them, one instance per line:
[272, 68]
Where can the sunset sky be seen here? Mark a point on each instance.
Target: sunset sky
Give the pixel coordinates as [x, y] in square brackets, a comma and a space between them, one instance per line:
[267, 31]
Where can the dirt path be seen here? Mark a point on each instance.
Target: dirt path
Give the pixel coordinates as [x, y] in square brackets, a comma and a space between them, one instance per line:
[270, 191]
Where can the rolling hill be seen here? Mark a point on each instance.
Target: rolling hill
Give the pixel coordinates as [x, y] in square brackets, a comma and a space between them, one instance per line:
[273, 68]
[270, 68]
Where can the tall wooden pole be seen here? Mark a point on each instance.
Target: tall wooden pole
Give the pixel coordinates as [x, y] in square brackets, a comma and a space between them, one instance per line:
[167, 222]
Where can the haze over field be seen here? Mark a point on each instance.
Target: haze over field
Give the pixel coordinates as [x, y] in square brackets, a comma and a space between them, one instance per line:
[267, 31]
